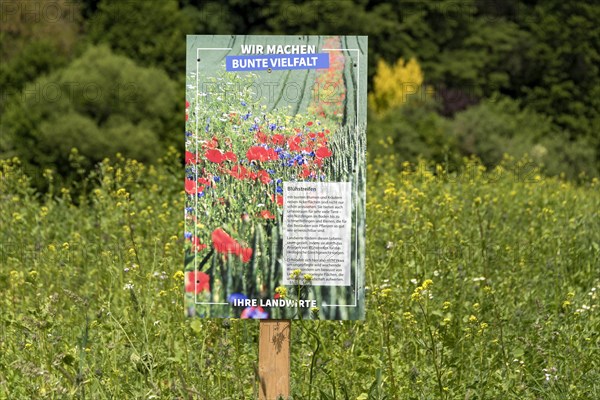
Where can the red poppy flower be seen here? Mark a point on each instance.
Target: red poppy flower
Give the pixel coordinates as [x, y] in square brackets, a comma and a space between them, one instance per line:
[230, 156]
[197, 245]
[305, 173]
[211, 144]
[309, 123]
[190, 186]
[294, 143]
[215, 156]
[203, 181]
[278, 199]
[266, 214]
[323, 152]
[261, 137]
[263, 176]
[190, 158]
[277, 139]
[272, 155]
[245, 254]
[258, 153]
[225, 244]
[187, 104]
[197, 282]
[238, 172]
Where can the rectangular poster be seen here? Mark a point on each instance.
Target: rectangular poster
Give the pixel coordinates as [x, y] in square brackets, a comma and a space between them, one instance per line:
[275, 176]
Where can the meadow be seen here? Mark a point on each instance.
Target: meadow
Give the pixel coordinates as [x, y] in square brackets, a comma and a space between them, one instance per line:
[481, 284]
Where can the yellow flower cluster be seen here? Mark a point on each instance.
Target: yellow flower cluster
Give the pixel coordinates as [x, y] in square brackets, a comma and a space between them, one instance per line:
[393, 84]
[422, 292]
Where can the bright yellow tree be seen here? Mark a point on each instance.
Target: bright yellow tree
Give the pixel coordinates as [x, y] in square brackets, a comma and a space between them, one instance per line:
[393, 84]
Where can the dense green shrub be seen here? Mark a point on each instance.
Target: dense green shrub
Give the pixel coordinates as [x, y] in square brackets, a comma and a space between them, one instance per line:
[101, 103]
[501, 126]
[411, 131]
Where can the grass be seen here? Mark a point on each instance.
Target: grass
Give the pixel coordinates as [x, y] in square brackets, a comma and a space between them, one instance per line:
[481, 285]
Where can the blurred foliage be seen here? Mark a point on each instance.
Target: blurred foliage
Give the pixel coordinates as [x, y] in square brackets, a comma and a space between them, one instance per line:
[545, 54]
[101, 103]
[35, 38]
[494, 128]
[412, 131]
[152, 33]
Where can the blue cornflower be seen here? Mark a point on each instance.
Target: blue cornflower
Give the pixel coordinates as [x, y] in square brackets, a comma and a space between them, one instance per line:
[216, 179]
[243, 103]
[279, 190]
[254, 313]
[187, 235]
[272, 126]
[236, 296]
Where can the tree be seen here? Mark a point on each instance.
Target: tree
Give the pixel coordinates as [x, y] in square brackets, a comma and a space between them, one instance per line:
[494, 128]
[411, 131]
[101, 103]
[35, 38]
[152, 33]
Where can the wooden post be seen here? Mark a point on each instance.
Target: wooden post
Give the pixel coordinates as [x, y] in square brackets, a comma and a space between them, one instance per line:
[274, 359]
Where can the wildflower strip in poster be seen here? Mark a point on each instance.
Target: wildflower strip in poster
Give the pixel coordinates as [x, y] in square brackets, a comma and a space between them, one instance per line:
[275, 176]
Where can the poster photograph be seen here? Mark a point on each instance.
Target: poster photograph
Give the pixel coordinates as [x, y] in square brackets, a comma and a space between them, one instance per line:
[275, 176]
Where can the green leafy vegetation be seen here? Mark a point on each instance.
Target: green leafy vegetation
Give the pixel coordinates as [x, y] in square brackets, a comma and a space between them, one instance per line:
[101, 103]
[482, 275]
[480, 283]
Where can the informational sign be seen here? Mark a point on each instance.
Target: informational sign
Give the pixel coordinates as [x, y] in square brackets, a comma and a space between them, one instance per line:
[275, 176]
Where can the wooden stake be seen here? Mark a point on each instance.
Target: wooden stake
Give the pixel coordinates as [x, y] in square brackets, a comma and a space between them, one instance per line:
[274, 359]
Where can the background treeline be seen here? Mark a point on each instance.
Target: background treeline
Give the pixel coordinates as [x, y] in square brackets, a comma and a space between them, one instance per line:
[479, 78]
